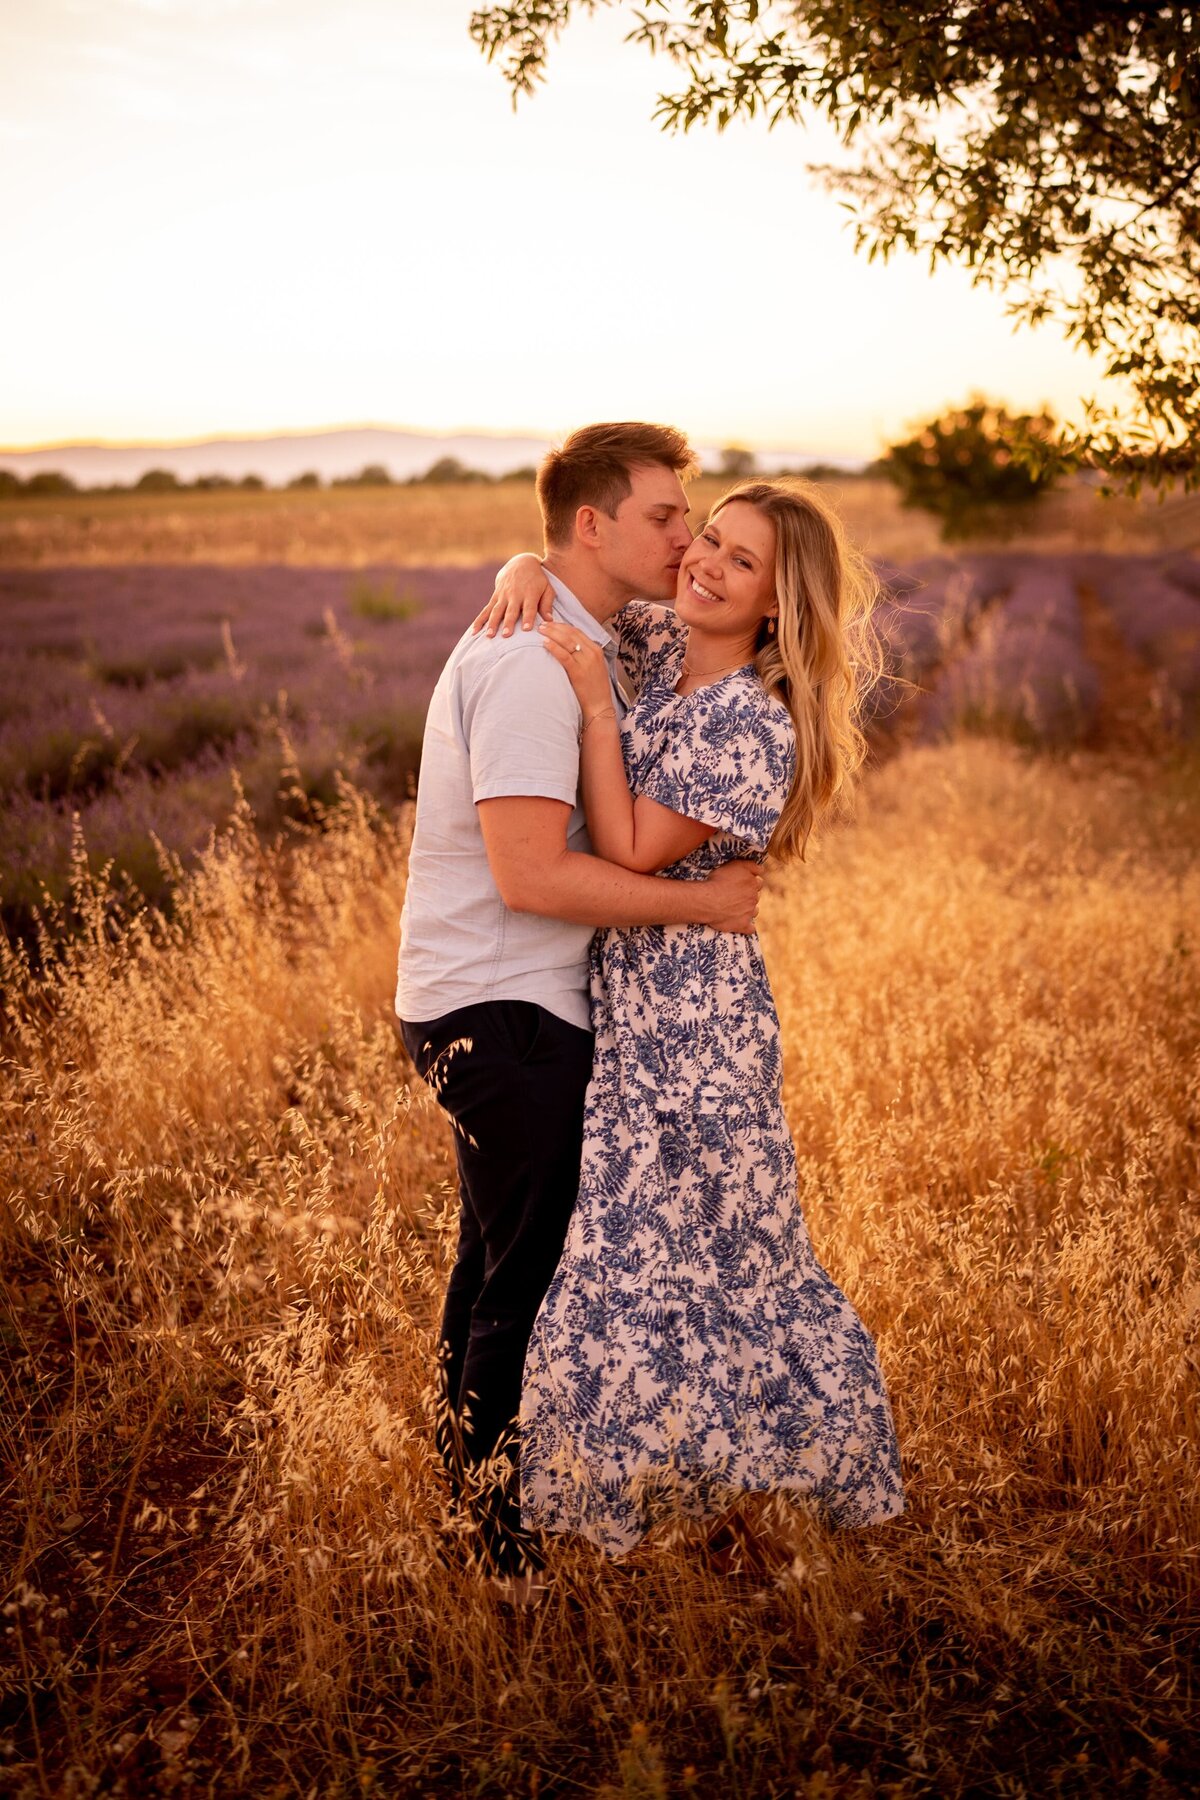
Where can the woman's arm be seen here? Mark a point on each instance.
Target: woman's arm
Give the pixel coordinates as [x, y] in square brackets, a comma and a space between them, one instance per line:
[521, 592]
[637, 834]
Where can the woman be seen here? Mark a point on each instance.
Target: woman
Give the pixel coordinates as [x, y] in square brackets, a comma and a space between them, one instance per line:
[690, 1348]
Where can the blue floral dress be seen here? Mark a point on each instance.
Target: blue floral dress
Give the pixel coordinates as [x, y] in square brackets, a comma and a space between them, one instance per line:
[690, 1347]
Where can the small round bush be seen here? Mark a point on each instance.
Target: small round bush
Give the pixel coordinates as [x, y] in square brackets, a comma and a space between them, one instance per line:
[977, 467]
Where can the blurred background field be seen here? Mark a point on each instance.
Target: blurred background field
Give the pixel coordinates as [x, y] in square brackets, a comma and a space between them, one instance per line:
[154, 644]
[456, 524]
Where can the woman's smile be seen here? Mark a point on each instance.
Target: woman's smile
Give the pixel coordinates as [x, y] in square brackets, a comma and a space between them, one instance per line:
[703, 592]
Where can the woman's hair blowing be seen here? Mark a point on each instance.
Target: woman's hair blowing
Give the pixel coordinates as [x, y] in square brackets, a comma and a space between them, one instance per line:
[824, 657]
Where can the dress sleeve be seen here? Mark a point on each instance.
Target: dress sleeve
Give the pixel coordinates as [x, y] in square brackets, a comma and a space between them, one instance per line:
[727, 761]
[642, 628]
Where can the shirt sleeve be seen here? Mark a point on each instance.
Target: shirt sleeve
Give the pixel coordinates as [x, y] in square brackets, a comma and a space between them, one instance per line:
[521, 721]
[642, 628]
[728, 761]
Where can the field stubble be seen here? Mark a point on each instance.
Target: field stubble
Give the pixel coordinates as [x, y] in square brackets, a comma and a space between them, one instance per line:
[429, 525]
[226, 1231]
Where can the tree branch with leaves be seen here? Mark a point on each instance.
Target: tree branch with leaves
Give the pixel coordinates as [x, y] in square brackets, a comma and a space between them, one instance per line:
[1052, 147]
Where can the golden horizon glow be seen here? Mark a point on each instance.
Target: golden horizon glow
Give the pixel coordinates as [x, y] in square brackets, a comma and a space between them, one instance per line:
[243, 218]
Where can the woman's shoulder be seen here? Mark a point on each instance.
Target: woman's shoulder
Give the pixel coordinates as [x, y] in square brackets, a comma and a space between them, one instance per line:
[739, 717]
[742, 695]
[646, 624]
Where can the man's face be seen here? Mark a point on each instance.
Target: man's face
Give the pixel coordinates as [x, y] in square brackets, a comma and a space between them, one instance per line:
[642, 546]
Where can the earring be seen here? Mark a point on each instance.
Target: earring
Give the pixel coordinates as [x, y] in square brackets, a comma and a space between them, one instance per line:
[770, 628]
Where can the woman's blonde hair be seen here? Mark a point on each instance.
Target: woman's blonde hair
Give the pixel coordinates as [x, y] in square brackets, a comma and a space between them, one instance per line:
[824, 656]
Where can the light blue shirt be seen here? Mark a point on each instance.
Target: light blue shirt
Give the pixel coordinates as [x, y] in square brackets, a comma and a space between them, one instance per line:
[503, 721]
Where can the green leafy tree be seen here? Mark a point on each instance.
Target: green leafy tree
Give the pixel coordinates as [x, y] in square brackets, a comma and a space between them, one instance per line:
[50, 484]
[1052, 148]
[157, 481]
[451, 469]
[309, 479]
[737, 462]
[10, 484]
[972, 467]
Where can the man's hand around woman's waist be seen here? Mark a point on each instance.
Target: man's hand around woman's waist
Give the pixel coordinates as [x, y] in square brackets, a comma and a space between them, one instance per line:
[734, 890]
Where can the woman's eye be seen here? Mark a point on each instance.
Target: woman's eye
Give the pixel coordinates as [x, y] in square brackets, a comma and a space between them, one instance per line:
[708, 537]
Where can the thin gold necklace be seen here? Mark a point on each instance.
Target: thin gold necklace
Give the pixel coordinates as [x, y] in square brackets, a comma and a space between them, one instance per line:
[727, 670]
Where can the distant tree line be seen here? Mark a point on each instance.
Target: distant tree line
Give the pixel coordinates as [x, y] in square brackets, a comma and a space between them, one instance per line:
[737, 462]
[54, 484]
[976, 468]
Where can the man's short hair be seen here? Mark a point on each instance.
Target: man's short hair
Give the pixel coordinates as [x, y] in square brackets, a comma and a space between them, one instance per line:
[592, 468]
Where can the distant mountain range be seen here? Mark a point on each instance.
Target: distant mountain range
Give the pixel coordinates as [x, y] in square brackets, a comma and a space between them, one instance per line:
[329, 454]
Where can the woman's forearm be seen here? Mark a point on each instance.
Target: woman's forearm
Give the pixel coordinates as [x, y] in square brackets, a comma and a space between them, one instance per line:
[630, 830]
[637, 834]
[607, 801]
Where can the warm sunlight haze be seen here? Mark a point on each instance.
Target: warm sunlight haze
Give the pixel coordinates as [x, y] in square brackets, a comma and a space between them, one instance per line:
[257, 215]
[614, 1213]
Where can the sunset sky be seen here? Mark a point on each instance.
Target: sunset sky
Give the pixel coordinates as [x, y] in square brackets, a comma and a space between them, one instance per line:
[242, 216]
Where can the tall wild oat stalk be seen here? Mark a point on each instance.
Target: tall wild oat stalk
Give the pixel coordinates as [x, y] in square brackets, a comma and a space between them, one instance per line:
[227, 1215]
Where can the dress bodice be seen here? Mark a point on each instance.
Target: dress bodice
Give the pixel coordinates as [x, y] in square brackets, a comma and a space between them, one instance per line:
[724, 754]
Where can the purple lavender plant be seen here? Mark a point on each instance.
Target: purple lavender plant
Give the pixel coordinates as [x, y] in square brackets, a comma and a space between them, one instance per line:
[128, 696]
[1156, 609]
[1022, 669]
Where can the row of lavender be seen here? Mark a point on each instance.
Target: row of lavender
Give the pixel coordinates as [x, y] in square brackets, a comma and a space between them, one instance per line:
[130, 695]
[1022, 643]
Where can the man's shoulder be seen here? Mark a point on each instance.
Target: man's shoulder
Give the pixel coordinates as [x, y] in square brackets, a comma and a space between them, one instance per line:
[512, 705]
[482, 665]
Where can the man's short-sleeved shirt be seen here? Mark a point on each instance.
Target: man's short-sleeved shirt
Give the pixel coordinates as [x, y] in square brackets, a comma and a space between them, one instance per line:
[503, 721]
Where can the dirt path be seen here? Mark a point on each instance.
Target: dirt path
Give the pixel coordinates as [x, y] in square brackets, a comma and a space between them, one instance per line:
[1127, 713]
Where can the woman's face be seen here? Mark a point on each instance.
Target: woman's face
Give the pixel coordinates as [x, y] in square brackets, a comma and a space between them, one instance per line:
[727, 576]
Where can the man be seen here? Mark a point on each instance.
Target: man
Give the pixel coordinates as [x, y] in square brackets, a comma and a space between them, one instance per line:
[503, 896]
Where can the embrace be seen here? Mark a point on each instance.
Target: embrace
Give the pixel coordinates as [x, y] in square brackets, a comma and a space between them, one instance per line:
[636, 1327]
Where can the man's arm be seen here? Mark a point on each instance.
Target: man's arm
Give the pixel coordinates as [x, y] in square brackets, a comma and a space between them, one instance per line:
[526, 842]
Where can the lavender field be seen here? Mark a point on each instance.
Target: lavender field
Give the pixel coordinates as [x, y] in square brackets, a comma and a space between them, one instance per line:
[136, 700]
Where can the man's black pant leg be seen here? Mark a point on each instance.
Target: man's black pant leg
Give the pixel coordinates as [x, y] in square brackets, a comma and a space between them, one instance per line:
[516, 1098]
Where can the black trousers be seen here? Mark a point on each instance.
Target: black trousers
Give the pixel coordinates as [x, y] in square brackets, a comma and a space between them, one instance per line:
[512, 1077]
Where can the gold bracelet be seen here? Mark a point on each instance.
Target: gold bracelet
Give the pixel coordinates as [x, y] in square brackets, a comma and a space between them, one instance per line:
[607, 712]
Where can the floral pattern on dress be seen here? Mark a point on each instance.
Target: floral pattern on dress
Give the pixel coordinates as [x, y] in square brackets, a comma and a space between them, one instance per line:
[690, 1347]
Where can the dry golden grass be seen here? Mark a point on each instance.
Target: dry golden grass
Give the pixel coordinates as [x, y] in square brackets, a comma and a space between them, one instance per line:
[226, 1230]
[430, 525]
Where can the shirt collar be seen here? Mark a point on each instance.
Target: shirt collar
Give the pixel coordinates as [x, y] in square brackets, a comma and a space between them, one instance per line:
[572, 611]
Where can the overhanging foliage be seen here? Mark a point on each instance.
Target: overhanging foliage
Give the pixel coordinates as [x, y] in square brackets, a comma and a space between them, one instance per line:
[1054, 148]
